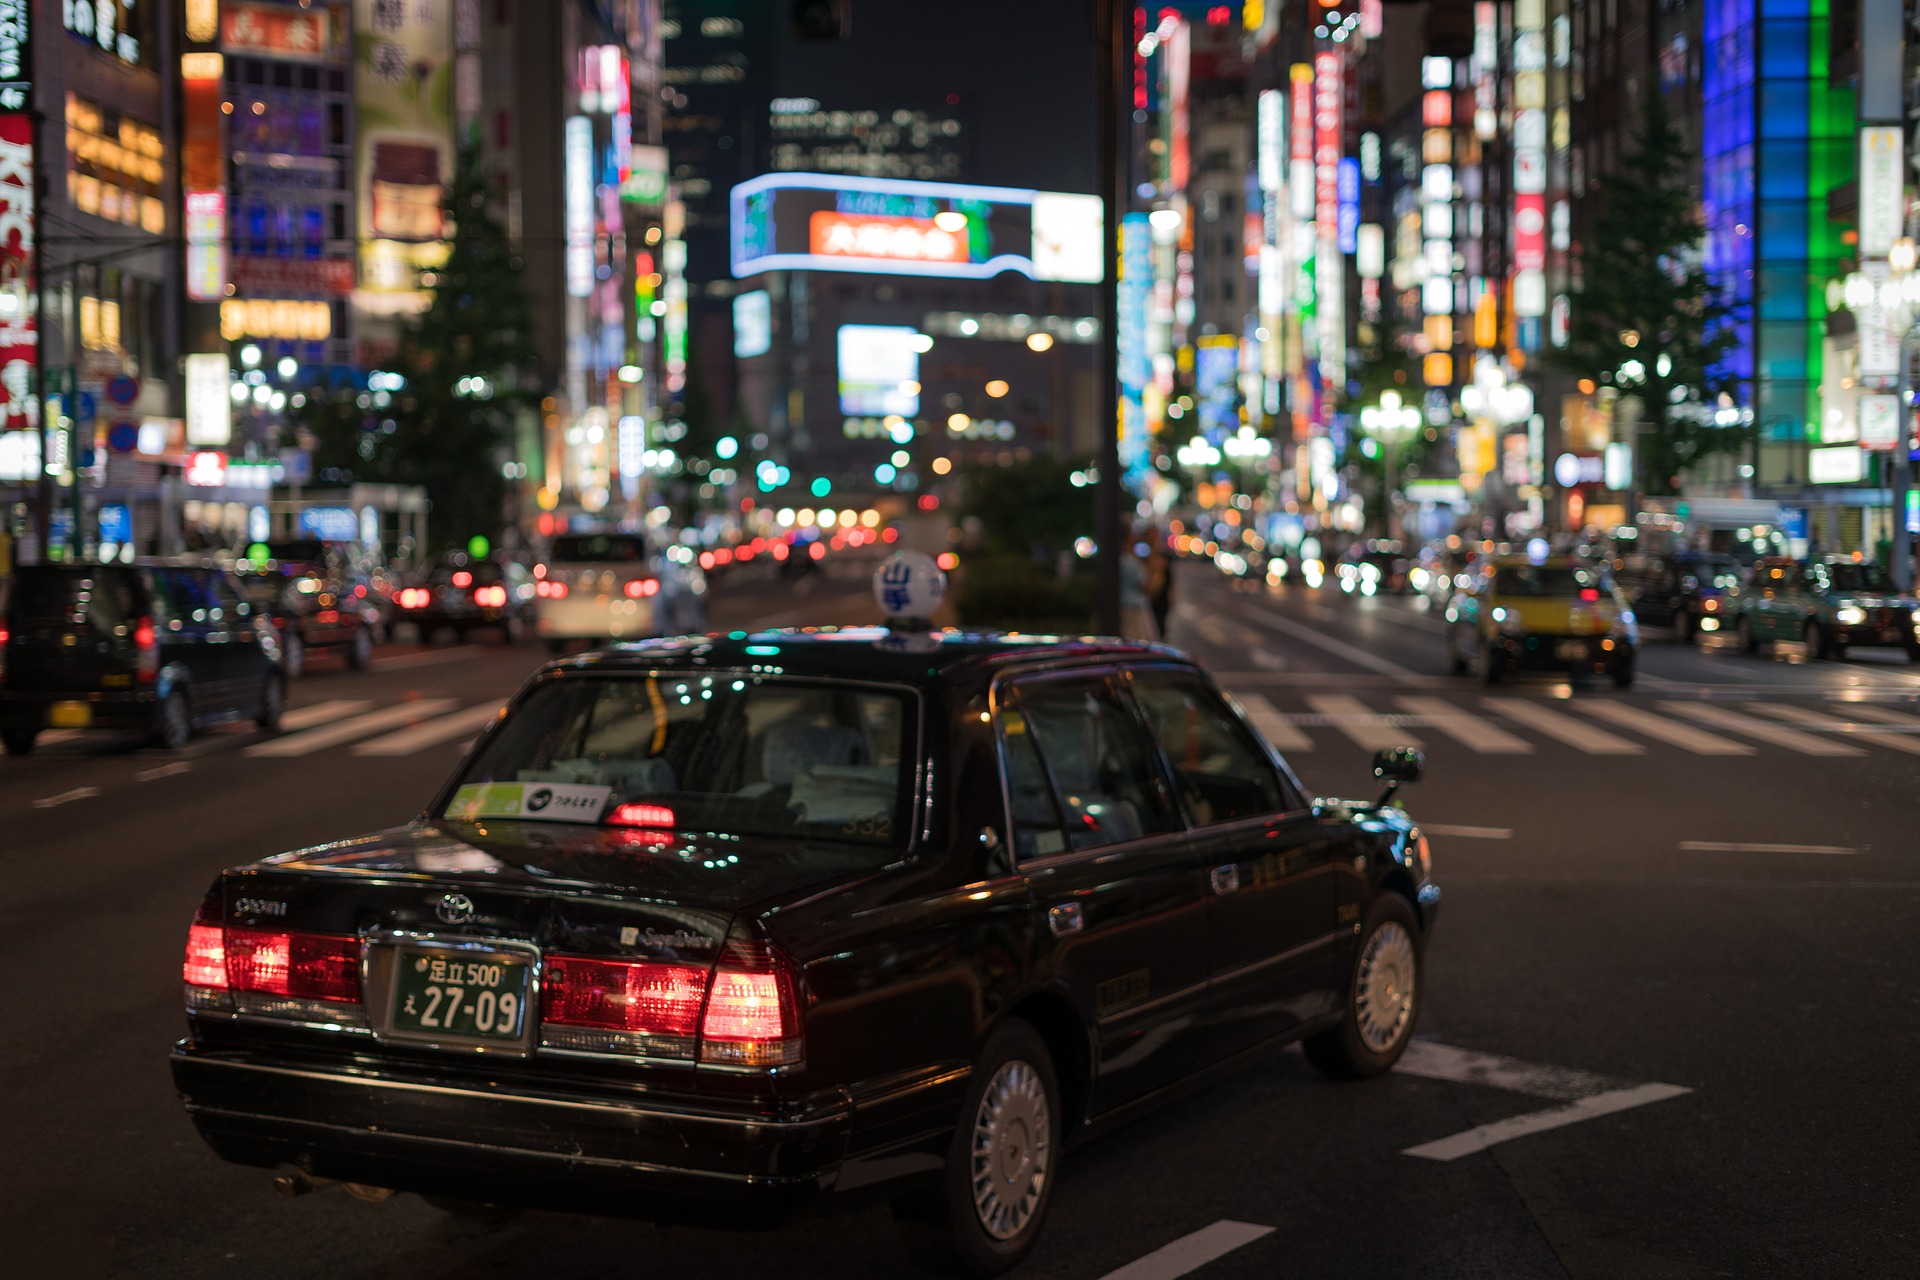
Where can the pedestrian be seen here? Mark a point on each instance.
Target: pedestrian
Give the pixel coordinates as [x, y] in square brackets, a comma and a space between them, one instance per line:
[1159, 584]
[1135, 623]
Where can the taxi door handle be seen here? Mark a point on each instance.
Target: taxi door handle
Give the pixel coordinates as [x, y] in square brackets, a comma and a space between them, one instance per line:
[1065, 919]
[1226, 880]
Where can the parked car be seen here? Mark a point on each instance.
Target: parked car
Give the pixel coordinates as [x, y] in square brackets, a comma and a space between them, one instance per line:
[463, 595]
[724, 929]
[319, 603]
[1555, 613]
[1829, 606]
[150, 649]
[1685, 590]
[1375, 567]
[614, 586]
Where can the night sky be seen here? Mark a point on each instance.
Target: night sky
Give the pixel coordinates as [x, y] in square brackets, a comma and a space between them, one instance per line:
[1024, 71]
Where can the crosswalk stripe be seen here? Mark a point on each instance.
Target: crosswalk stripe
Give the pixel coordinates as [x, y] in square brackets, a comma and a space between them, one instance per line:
[321, 713]
[1276, 728]
[1368, 729]
[1463, 726]
[1680, 735]
[1879, 715]
[1792, 739]
[1575, 733]
[1909, 743]
[430, 733]
[300, 744]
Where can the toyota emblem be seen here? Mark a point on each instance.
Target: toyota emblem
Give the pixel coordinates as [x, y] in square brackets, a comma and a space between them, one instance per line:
[454, 908]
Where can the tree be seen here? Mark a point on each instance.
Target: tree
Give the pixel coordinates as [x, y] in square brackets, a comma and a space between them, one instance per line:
[467, 364]
[1645, 316]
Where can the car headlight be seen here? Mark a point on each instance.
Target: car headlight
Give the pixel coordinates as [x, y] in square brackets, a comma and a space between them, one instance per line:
[1850, 616]
[1508, 623]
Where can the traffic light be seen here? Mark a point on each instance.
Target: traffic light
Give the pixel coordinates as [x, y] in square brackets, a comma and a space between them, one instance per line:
[822, 19]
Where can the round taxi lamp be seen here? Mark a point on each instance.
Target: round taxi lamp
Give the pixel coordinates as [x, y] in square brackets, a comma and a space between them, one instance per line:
[909, 587]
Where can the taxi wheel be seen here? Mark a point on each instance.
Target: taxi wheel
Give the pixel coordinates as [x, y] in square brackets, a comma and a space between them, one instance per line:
[360, 652]
[1457, 664]
[1489, 665]
[1913, 653]
[273, 703]
[176, 722]
[293, 655]
[1001, 1168]
[1744, 630]
[1818, 646]
[1382, 998]
[18, 742]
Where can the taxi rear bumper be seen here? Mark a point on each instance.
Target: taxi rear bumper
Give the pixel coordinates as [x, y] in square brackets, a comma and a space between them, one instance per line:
[1561, 653]
[585, 1152]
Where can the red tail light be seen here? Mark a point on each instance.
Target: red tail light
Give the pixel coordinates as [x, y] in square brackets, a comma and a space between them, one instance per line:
[463, 579]
[206, 964]
[780, 551]
[706, 560]
[818, 551]
[306, 966]
[413, 597]
[147, 650]
[489, 597]
[641, 815]
[636, 999]
[641, 588]
[552, 589]
[750, 1018]
[1589, 594]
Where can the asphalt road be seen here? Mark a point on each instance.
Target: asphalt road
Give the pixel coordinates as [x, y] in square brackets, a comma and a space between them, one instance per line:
[1670, 1027]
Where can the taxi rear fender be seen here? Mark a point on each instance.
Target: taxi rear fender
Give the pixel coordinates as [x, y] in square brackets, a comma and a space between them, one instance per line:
[1070, 1043]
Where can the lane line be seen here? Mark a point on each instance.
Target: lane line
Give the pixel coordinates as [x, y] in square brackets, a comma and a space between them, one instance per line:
[1909, 743]
[1467, 833]
[1350, 716]
[1432, 1060]
[1575, 733]
[321, 713]
[1273, 726]
[455, 654]
[1483, 1136]
[1339, 648]
[163, 771]
[1739, 846]
[433, 732]
[1684, 736]
[312, 740]
[1792, 739]
[1463, 726]
[66, 797]
[1191, 1252]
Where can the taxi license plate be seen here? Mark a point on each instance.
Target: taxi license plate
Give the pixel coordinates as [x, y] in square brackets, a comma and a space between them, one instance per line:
[70, 715]
[1572, 650]
[474, 996]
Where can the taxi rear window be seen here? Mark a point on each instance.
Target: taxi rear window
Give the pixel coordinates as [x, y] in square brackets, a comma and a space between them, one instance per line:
[102, 597]
[590, 548]
[1544, 581]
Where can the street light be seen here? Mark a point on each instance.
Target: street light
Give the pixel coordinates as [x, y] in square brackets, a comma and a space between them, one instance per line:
[1897, 296]
[1392, 423]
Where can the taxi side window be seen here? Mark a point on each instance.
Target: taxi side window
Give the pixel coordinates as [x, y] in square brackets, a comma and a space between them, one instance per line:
[1221, 774]
[1037, 826]
[1104, 783]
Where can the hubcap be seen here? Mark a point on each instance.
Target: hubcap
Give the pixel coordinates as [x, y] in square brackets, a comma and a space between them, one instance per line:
[178, 729]
[1384, 987]
[1011, 1154]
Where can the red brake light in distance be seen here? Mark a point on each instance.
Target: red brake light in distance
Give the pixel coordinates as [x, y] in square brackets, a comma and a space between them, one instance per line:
[489, 597]
[641, 815]
[147, 657]
[551, 589]
[1589, 594]
[463, 579]
[641, 588]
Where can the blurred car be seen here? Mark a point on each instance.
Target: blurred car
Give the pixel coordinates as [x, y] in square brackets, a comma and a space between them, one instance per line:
[1374, 567]
[1685, 590]
[1556, 613]
[1829, 605]
[614, 586]
[734, 928]
[151, 649]
[1436, 569]
[463, 595]
[318, 601]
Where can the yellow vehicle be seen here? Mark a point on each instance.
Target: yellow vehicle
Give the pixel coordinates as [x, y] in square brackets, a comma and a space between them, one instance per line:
[1558, 613]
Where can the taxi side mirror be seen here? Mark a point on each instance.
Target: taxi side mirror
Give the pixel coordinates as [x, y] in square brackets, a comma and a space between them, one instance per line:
[1397, 765]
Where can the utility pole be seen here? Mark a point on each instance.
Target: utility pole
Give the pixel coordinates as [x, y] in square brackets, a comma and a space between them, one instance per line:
[1108, 502]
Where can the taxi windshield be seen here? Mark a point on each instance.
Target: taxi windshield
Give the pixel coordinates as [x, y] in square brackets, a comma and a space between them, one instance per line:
[1857, 577]
[1543, 581]
[727, 753]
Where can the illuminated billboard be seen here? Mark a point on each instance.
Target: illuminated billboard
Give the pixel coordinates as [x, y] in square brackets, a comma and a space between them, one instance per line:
[822, 222]
[879, 369]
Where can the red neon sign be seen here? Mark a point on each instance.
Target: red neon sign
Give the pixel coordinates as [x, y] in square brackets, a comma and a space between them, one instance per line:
[847, 235]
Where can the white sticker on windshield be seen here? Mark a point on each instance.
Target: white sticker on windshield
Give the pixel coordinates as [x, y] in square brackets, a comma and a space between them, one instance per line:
[541, 801]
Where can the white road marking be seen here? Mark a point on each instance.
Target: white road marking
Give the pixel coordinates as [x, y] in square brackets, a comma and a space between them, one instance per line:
[1275, 727]
[1792, 739]
[312, 740]
[1339, 648]
[1680, 735]
[1351, 717]
[457, 653]
[1435, 1061]
[1483, 1136]
[1467, 833]
[1880, 715]
[66, 797]
[1575, 733]
[1852, 728]
[1738, 846]
[1465, 727]
[1191, 1252]
[163, 771]
[321, 713]
[431, 733]
[53, 737]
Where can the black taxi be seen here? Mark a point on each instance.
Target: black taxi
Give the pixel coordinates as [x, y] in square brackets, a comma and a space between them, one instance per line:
[725, 928]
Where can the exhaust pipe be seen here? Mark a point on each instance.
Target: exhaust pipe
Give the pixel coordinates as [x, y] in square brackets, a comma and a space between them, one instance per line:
[295, 1185]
